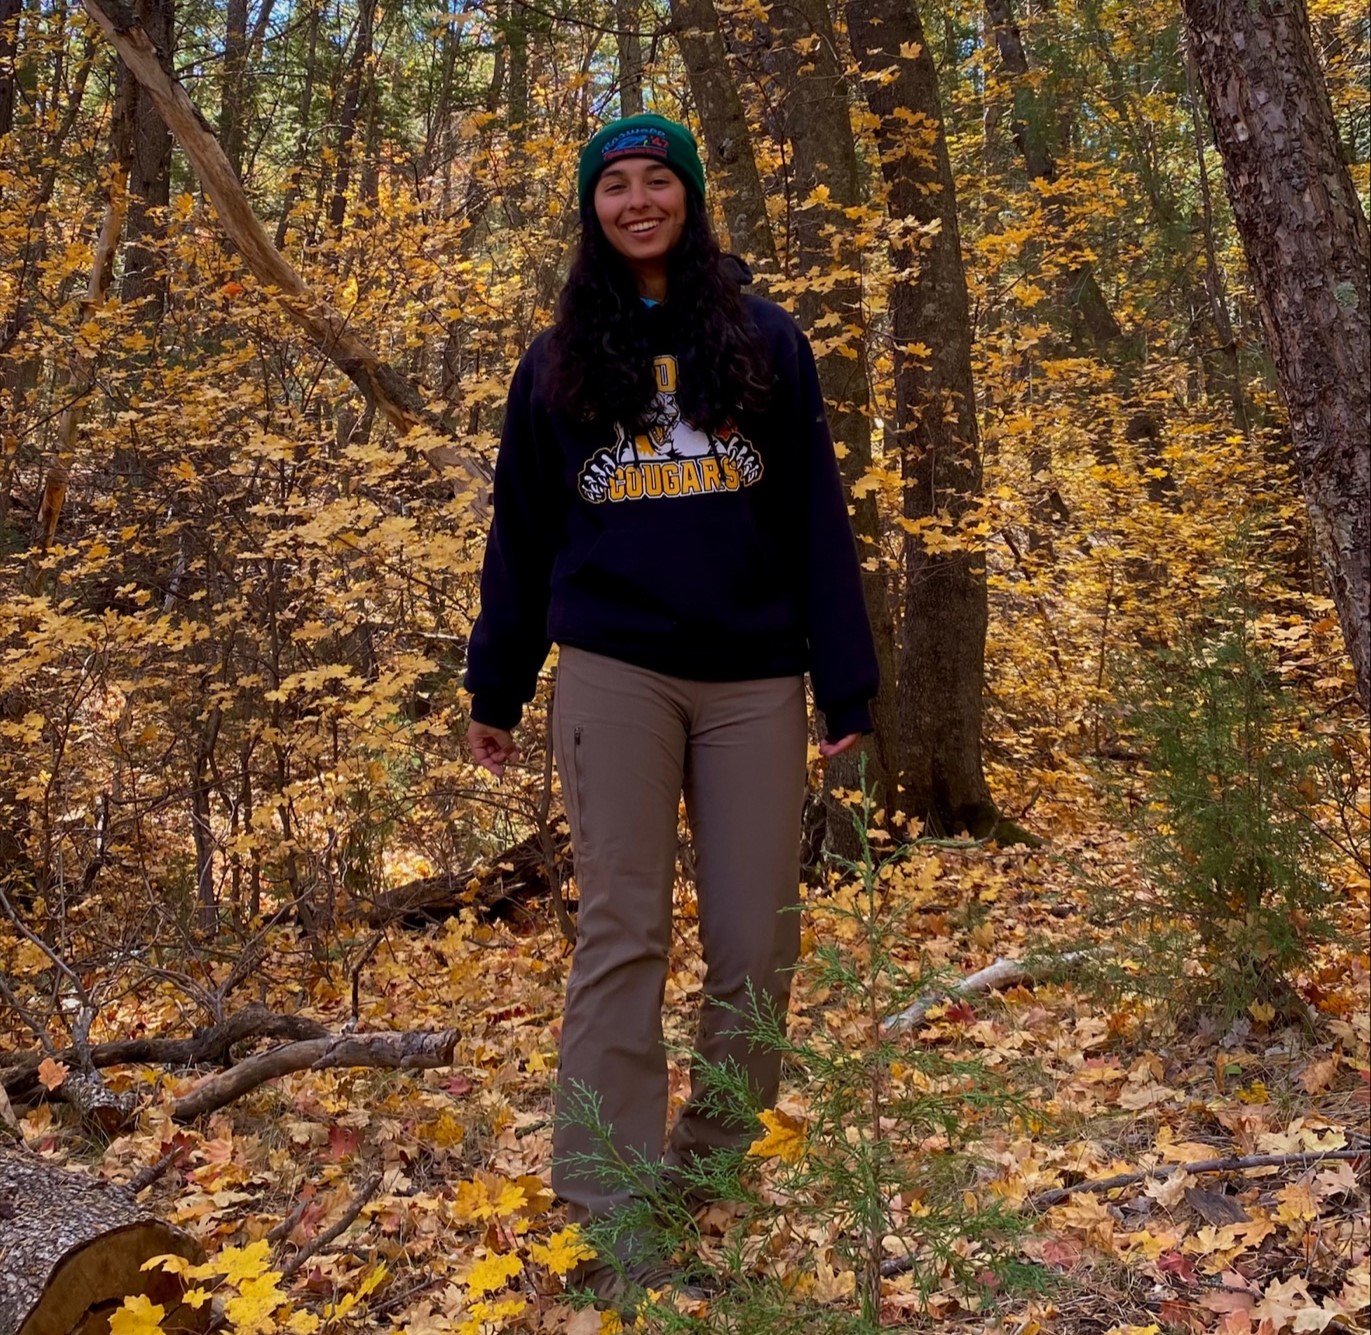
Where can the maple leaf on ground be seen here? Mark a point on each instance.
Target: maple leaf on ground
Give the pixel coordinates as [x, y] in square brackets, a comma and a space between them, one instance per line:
[493, 1272]
[138, 1316]
[1288, 1304]
[250, 1311]
[1297, 1205]
[342, 1142]
[51, 1073]
[1319, 1074]
[784, 1138]
[237, 1264]
[1179, 1315]
[564, 1249]
[1178, 1264]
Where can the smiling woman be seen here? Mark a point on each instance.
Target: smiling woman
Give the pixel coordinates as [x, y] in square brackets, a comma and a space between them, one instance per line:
[668, 510]
[641, 206]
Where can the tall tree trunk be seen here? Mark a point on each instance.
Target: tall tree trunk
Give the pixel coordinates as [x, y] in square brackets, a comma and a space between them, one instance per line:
[733, 175]
[150, 175]
[1224, 358]
[516, 37]
[236, 86]
[629, 41]
[302, 143]
[19, 374]
[231, 108]
[942, 654]
[369, 187]
[814, 108]
[352, 101]
[1308, 249]
[9, 45]
[1081, 287]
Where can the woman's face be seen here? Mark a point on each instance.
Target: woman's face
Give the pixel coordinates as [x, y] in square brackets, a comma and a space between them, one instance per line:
[641, 207]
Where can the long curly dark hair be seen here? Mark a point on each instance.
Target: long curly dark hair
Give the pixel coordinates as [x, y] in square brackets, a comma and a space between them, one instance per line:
[601, 356]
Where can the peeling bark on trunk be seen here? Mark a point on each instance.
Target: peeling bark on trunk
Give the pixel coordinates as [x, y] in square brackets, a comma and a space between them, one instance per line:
[72, 1247]
[733, 175]
[395, 396]
[1308, 249]
[942, 653]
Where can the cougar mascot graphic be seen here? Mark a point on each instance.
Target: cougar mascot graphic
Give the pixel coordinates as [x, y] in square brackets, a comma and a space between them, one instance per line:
[669, 456]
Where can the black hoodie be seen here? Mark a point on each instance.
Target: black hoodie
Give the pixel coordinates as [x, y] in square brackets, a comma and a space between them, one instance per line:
[725, 556]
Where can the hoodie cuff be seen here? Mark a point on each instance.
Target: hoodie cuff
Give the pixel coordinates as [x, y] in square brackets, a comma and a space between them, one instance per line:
[496, 711]
[847, 717]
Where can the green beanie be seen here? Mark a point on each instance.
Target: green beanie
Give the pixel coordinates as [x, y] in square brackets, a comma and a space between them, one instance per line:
[645, 136]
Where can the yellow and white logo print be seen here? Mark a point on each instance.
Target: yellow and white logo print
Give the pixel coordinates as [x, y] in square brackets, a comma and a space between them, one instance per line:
[670, 457]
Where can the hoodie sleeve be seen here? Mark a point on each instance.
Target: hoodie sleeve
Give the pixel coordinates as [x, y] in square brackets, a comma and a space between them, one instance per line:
[509, 641]
[842, 653]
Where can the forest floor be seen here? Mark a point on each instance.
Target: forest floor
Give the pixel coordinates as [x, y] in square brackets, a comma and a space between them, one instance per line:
[461, 1232]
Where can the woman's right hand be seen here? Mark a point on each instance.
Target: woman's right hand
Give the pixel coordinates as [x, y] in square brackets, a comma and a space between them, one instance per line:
[492, 748]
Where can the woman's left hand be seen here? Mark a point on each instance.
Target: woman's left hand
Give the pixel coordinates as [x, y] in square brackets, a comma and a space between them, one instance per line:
[830, 749]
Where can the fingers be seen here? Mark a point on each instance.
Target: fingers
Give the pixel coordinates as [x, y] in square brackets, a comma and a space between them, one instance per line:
[492, 748]
[830, 749]
[494, 757]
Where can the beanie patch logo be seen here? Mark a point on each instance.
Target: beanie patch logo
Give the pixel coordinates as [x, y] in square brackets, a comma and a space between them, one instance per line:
[639, 141]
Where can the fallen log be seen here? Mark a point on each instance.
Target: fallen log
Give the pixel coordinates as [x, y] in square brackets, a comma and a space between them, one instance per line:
[71, 1247]
[497, 888]
[417, 1050]
[1003, 973]
[209, 1046]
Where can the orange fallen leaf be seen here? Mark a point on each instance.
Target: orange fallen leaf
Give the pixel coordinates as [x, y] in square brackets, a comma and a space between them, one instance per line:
[51, 1073]
[1319, 1074]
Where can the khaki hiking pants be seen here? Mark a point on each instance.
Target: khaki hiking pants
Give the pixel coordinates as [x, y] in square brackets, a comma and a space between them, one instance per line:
[628, 743]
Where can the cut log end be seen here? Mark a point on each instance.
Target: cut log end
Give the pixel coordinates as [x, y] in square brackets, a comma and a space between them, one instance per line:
[72, 1249]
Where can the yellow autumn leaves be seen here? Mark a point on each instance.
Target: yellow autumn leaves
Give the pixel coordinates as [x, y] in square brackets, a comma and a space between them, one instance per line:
[253, 1301]
[785, 1137]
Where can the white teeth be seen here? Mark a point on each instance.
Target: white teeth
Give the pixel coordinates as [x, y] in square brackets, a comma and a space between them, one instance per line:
[641, 227]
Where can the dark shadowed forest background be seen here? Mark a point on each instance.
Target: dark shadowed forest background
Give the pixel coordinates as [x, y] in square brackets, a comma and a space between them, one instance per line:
[1087, 285]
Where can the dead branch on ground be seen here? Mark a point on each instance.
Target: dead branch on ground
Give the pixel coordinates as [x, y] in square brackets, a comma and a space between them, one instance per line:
[1056, 1195]
[1003, 973]
[416, 1050]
